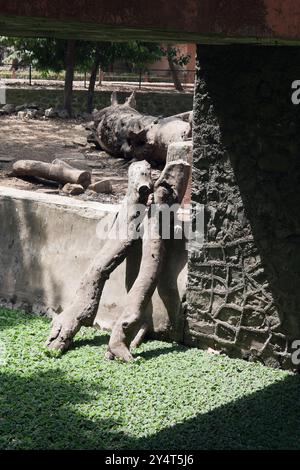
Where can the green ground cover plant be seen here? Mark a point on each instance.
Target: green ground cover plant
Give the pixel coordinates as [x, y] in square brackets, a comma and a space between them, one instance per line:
[170, 397]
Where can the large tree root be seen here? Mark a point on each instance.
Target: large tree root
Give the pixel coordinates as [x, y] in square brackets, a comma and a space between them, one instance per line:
[83, 309]
[133, 263]
[130, 327]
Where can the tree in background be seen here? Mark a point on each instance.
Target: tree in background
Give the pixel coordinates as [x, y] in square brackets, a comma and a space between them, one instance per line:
[51, 54]
[57, 54]
[70, 59]
[175, 59]
[2, 53]
[47, 54]
[102, 54]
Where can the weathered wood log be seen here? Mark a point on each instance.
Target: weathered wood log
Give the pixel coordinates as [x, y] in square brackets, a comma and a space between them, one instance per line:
[130, 327]
[133, 263]
[124, 132]
[58, 171]
[187, 116]
[123, 234]
[167, 288]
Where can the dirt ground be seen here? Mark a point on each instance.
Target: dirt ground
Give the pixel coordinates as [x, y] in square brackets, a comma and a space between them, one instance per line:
[106, 86]
[45, 140]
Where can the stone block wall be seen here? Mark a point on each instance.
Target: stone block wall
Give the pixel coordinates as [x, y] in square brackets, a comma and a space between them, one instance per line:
[243, 293]
[154, 103]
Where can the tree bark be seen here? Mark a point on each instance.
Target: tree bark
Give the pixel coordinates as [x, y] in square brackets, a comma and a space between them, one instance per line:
[169, 189]
[70, 65]
[83, 309]
[92, 83]
[122, 131]
[174, 72]
[133, 263]
[58, 171]
[187, 116]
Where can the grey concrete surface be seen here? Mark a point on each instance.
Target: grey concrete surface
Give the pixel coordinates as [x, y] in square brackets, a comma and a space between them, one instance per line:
[47, 242]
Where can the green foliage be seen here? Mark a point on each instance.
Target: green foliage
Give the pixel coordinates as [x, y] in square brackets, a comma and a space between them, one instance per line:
[44, 53]
[141, 54]
[170, 397]
[173, 54]
[49, 53]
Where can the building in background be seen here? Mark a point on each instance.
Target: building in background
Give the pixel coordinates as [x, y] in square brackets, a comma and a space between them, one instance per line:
[186, 72]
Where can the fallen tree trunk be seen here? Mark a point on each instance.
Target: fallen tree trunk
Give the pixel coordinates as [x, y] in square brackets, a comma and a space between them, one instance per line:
[58, 171]
[130, 327]
[187, 116]
[123, 234]
[122, 131]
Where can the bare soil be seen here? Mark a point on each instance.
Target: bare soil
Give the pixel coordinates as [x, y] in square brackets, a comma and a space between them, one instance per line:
[45, 140]
[106, 86]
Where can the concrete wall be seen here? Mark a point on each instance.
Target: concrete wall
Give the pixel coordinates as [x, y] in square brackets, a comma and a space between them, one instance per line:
[186, 21]
[156, 104]
[243, 293]
[47, 242]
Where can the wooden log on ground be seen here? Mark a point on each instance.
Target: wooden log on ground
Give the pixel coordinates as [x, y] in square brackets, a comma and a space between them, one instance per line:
[58, 171]
[122, 131]
[187, 116]
[84, 307]
[130, 327]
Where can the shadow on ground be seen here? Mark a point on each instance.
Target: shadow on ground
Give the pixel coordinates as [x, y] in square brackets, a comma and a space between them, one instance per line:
[40, 413]
[267, 419]
[103, 340]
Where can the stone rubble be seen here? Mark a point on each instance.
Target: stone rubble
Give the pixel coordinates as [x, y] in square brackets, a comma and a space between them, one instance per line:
[33, 111]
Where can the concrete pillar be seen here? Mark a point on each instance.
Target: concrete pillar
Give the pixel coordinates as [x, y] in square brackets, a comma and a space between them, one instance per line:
[244, 283]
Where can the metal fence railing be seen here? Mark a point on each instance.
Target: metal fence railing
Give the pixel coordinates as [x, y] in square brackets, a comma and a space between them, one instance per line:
[28, 74]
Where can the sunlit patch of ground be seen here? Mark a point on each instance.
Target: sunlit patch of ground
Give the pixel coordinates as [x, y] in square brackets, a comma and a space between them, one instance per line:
[45, 140]
[170, 397]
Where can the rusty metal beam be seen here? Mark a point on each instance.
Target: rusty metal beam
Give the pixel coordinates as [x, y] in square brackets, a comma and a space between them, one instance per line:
[207, 21]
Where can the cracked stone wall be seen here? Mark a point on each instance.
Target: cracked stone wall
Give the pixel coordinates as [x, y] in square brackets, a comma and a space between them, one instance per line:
[244, 283]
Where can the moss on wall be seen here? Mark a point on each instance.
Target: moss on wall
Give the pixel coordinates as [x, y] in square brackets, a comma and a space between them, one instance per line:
[155, 103]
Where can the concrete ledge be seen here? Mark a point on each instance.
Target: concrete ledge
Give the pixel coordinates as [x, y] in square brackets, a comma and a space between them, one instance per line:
[47, 242]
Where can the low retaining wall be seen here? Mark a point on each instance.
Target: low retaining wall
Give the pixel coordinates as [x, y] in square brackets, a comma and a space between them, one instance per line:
[48, 241]
[154, 103]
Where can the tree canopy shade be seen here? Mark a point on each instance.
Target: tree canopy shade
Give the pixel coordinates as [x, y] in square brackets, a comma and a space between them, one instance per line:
[52, 54]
